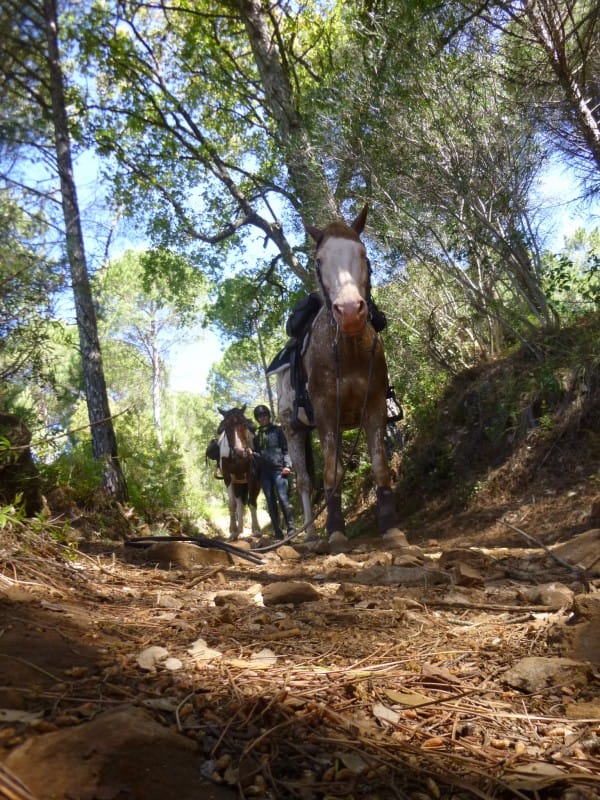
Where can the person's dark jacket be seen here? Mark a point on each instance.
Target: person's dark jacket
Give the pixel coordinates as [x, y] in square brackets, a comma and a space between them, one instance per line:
[271, 446]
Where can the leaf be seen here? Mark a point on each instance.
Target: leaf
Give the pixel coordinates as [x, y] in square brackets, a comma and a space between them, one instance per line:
[200, 651]
[535, 776]
[16, 715]
[434, 741]
[160, 704]
[385, 714]
[407, 698]
[151, 656]
[264, 656]
[354, 762]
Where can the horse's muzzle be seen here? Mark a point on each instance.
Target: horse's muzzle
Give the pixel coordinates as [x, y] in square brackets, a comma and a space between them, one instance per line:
[351, 317]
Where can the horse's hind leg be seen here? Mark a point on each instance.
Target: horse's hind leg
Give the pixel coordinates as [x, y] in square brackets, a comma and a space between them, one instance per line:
[297, 447]
[253, 492]
[239, 509]
[233, 513]
[254, 519]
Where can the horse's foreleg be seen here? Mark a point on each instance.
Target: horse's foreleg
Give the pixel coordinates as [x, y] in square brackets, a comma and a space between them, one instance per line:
[387, 517]
[335, 519]
[309, 525]
[298, 444]
[332, 475]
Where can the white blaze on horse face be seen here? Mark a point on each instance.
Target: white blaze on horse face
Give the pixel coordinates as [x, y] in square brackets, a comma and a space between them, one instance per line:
[345, 275]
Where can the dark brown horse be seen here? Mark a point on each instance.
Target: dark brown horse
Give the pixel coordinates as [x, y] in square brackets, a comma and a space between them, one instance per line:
[235, 461]
[347, 374]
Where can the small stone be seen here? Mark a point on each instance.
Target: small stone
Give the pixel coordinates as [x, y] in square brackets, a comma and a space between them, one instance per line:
[289, 592]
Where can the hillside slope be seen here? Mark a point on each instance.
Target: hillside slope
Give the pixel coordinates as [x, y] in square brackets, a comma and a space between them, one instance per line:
[515, 440]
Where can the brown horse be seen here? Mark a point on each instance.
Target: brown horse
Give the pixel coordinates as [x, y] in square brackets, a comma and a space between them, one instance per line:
[346, 375]
[235, 461]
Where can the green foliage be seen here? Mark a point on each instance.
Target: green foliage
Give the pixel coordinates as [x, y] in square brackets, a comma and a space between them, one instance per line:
[29, 278]
[76, 468]
[239, 377]
[483, 415]
[12, 515]
[155, 476]
[572, 277]
[154, 288]
[248, 299]
[418, 367]
[408, 105]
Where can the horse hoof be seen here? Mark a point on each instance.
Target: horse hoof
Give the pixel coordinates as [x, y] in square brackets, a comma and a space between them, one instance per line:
[405, 555]
[411, 556]
[339, 543]
[395, 537]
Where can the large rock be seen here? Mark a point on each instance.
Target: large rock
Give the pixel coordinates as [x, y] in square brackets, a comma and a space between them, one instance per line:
[579, 636]
[536, 673]
[185, 555]
[582, 551]
[122, 753]
[283, 592]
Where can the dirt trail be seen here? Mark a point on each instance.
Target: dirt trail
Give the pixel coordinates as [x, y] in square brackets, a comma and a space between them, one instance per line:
[391, 683]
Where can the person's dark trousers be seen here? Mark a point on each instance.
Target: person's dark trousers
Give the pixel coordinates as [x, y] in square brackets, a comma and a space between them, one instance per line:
[281, 484]
[275, 486]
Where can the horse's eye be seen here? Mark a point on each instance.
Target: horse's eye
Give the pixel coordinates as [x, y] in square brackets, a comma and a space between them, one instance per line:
[318, 261]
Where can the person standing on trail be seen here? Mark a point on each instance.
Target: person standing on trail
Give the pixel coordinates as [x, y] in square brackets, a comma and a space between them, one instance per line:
[273, 466]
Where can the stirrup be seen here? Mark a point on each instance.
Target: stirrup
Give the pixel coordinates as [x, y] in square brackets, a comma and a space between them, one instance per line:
[302, 418]
[394, 409]
[302, 412]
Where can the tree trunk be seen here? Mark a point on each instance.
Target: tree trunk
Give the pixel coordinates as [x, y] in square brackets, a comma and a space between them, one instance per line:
[317, 202]
[156, 383]
[104, 441]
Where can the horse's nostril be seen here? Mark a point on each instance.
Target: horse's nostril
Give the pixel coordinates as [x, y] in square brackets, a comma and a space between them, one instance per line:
[356, 307]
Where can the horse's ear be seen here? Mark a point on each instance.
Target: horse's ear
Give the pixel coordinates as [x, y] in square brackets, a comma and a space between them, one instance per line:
[221, 412]
[359, 223]
[316, 233]
[243, 408]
